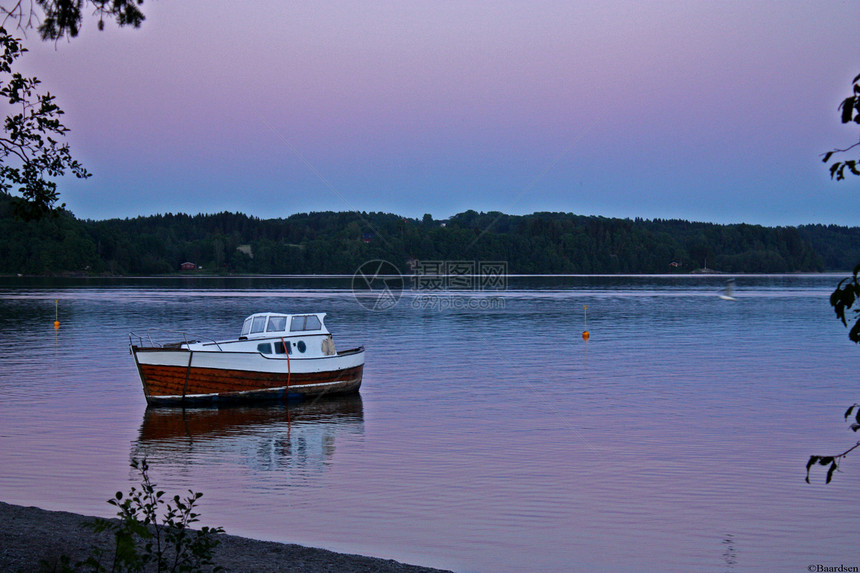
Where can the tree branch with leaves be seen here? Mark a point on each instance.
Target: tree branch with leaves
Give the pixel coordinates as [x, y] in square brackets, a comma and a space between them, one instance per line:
[847, 292]
[32, 155]
[58, 19]
[843, 298]
[832, 462]
[850, 108]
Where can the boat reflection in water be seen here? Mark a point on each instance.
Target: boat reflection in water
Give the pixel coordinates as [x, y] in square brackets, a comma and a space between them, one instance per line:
[298, 438]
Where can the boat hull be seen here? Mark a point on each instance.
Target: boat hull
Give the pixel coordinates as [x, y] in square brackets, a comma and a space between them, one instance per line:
[176, 376]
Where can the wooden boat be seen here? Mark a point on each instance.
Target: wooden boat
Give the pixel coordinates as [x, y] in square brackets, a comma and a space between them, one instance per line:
[276, 357]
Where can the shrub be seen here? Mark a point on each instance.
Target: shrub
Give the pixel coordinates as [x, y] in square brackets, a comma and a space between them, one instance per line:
[152, 534]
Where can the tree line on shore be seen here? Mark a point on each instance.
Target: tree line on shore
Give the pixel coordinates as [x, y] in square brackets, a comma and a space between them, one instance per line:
[339, 242]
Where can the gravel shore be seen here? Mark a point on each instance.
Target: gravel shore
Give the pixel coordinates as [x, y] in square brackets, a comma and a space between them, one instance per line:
[29, 535]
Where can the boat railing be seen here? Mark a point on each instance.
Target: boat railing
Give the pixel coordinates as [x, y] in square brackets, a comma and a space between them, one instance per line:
[142, 339]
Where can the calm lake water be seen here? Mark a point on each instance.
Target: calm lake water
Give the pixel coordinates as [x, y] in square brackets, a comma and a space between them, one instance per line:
[488, 436]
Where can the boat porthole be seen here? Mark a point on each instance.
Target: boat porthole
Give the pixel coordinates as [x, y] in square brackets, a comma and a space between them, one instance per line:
[301, 346]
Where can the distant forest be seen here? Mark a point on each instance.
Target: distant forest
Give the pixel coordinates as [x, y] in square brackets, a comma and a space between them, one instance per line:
[339, 242]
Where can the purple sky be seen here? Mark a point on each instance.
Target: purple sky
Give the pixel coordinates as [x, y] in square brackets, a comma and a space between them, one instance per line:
[708, 111]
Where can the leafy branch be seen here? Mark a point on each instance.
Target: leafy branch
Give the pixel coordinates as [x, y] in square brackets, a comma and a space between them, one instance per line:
[63, 18]
[850, 108]
[843, 298]
[25, 18]
[848, 290]
[834, 461]
[30, 153]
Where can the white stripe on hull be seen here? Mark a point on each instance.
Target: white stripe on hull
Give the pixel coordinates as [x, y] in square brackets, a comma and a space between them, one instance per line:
[249, 361]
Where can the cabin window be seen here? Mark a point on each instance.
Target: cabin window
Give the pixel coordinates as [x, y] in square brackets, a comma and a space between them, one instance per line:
[246, 327]
[301, 346]
[309, 322]
[264, 348]
[277, 324]
[282, 347]
[259, 324]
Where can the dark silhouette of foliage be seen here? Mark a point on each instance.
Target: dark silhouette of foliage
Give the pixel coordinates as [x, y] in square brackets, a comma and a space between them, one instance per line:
[848, 290]
[58, 19]
[31, 156]
[843, 298]
[338, 243]
[850, 113]
[838, 247]
[832, 462]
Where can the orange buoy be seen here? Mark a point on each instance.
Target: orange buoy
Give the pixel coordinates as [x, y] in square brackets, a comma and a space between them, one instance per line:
[585, 335]
[57, 314]
[56, 324]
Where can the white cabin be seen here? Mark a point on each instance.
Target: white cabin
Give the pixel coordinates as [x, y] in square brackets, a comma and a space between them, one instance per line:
[269, 324]
[277, 335]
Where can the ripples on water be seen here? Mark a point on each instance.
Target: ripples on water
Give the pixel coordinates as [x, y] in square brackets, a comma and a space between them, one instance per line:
[486, 438]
